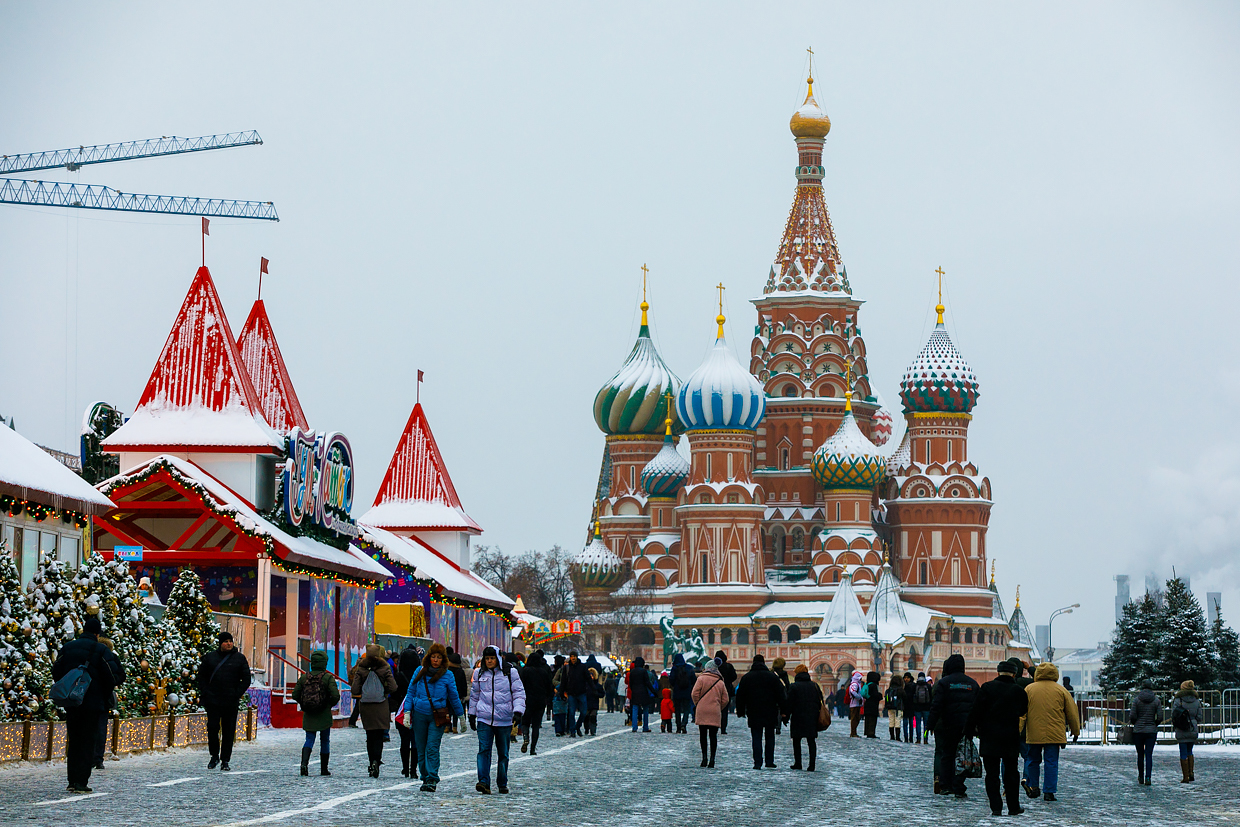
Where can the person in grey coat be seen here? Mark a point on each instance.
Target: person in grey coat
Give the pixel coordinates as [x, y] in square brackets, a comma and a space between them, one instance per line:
[1186, 723]
[1145, 716]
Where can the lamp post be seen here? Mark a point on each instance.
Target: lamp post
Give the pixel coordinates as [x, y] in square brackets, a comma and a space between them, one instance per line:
[1050, 629]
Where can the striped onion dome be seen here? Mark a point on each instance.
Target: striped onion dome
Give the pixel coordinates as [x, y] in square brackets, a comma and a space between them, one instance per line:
[847, 459]
[881, 426]
[597, 566]
[721, 393]
[667, 471]
[633, 401]
[939, 380]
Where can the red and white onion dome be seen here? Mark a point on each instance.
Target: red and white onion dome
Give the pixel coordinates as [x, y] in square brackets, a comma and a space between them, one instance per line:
[881, 426]
[939, 380]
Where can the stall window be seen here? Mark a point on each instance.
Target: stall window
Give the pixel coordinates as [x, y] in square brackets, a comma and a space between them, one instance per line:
[69, 551]
[47, 544]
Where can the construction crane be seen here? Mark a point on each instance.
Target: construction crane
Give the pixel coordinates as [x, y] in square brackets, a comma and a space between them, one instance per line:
[96, 197]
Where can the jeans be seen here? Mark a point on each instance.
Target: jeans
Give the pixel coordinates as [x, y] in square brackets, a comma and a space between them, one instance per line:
[426, 739]
[1144, 742]
[81, 730]
[487, 735]
[945, 743]
[326, 742]
[1186, 750]
[642, 715]
[756, 733]
[682, 715]
[221, 730]
[576, 713]
[910, 724]
[1004, 766]
[1034, 765]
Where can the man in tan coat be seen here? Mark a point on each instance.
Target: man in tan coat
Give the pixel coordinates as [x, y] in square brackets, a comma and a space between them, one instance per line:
[1052, 712]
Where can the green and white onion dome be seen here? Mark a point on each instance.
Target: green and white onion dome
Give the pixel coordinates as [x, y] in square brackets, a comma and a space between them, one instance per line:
[721, 394]
[634, 401]
[848, 459]
[939, 380]
[666, 471]
[597, 566]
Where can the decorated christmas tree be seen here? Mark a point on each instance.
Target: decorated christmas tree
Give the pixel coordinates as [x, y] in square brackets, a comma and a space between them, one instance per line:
[23, 672]
[52, 600]
[1226, 646]
[189, 632]
[1184, 651]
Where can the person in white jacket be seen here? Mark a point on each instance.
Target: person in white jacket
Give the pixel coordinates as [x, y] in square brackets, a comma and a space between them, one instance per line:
[496, 704]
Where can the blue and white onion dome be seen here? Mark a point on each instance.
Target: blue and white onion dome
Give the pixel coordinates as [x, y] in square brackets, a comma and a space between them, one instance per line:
[634, 401]
[597, 566]
[848, 459]
[668, 470]
[721, 394]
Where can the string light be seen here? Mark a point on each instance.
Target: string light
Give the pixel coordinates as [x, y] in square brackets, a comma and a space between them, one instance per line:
[438, 595]
[39, 512]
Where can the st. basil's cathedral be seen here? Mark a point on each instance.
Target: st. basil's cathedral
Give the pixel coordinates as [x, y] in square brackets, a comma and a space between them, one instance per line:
[789, 528]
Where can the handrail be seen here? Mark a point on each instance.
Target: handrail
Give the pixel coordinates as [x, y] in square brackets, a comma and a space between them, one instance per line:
[272, 653]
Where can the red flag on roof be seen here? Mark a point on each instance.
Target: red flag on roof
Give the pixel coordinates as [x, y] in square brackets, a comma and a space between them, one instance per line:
[205, 225]
[419, 376]
[262, 265]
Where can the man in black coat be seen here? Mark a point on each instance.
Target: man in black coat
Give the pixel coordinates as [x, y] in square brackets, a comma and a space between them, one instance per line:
[995, 720]
[82, 722]
[536, 678]
[223, 678]
[641, 693]
[575, 685]
[760, 699]
[728, 672]
[954, 694]
[873, 696]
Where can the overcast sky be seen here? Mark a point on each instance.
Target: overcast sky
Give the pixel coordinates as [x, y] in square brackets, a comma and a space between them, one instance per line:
[471, 190]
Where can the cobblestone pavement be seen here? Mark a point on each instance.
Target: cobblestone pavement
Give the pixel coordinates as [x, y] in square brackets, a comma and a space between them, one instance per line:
[615, 778]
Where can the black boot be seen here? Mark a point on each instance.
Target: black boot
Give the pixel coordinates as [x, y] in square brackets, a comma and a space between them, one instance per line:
[305, 760]
[323, 756]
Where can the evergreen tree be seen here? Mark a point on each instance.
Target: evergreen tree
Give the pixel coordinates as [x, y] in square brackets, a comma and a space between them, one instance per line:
[190, 632]
[52, 600]
[1184, 651]
[1134, 645]
[23, 671]
[1226, 646]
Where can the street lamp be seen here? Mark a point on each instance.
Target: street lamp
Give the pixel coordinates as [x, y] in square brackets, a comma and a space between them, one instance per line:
[1050, 629]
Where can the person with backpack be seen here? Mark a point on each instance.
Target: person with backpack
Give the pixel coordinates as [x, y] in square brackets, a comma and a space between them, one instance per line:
[728, 671]
[496, 702]
[102, 671]
[317, 693]
[1145, 715]
[370, 687]
[760, 700]
[893, 705]
[804, 703]
[908, 702]
[641, 693]
[950, 703]
[1186, 721]
[536, 680]
[223, 678]
[855, 701]
[872, 697]
[710, 698]
[575, 685]
[611, 685]
[405, 668]
[682, 679]
[1052, 711]
[922, 698]
[995, 720]
[427, 708]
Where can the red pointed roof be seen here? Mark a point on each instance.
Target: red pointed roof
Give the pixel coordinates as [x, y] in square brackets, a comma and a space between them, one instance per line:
[199, 394]
[260, 353]
[417, 492]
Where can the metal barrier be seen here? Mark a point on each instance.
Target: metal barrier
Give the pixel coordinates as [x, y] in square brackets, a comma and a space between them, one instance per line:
[1104, 716]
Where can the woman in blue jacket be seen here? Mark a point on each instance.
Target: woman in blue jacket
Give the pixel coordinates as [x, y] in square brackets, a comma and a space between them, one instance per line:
[432, 687]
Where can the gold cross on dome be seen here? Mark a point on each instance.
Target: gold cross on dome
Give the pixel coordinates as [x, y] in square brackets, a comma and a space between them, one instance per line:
[941, 273]
[645, 272]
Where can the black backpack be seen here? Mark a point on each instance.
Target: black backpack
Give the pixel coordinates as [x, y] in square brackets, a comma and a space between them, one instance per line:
[923, 693]
[1179, 719]
[314, 695]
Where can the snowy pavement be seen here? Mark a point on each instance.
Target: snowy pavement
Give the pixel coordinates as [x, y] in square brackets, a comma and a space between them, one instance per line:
[615, 778]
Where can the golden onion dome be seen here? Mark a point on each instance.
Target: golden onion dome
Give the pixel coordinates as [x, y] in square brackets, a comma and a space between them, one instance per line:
[810, 121]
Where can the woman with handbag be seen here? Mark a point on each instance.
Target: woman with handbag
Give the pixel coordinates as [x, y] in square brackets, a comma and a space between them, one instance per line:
[710, 696]
[429, 705]
[805, 703]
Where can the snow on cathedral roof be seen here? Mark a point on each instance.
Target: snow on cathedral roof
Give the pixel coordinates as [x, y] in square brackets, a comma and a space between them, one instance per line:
[417, 492]
[1021, 633]
[844, 620]
[29, 472]
[265, 364]
[199, 394]
[939, 380]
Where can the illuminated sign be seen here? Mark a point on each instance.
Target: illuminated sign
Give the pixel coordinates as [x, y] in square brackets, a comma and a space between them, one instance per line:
[129, 553]
[318, 481]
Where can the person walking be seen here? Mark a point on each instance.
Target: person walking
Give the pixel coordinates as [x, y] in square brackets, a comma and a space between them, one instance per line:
[82, 721]
[641, 693]
[430, 702]
[223, 678]
[952, 700]
[406, 666]
[462, 687]
[1145, 715]
[356, 712]
[855, 701]
[710, 698]
[496, 701]
[575, 684]
[872, 695]
[1052, 711]
[536, 679]
[893, 704]
[593, 696]
[1185, 722]
[317, 693]
[995, 721]
[105, 719]
[777, 667]
[804, 702]
[370, 687]
[923, 696]
[760, 700]
[682, 679]
[728, 671]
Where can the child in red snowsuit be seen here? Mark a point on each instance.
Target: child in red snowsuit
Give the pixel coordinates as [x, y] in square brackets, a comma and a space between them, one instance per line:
[666, 708]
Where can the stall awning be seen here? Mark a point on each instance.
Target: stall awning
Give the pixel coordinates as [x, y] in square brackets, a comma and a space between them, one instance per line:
[427, 564]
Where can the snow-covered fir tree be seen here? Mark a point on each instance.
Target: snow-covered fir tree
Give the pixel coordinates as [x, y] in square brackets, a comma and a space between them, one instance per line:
[1226, 645]
[188, 616]
[1134, 646]
[126, 622]
[1184, 651]
[176, 665]
[51, 598]
[24, 673]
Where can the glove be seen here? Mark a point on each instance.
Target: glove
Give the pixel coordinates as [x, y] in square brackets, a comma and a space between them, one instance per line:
[473, 722]
[516, 719]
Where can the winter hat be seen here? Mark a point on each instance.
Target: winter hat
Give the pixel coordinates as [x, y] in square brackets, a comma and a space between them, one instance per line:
[1147, 684]
[318, 661]
[1018, 666]
[92, 626]
[1189, 686]
[953, 664]
[779, 663]
[436, 649]
[223, 636]
[721, 656]
[593, 674]
[921, 676]
[1005, 668]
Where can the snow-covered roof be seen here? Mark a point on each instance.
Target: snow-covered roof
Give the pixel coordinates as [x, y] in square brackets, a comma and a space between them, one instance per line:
[790, 610]
[429, 565]
[843, 621]
[939, 380]
[200, 393]
[721, 620]
[417, 492]
[260, 352]
[29, 472]
[1021, 633]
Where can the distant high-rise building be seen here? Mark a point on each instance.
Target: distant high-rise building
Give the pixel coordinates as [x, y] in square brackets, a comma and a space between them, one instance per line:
[1122, 595]
[1042, 635]
[1213, 601]
[1152, 584]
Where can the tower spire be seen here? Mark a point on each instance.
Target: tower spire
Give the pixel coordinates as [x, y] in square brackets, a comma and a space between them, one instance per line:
[668, 422]
[645, 304]
[848, 386]
[992, 572]
[719, 320]
[939, 308]
[1018, 597]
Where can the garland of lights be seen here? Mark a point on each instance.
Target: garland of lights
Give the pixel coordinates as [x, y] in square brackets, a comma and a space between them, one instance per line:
[39, 512]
